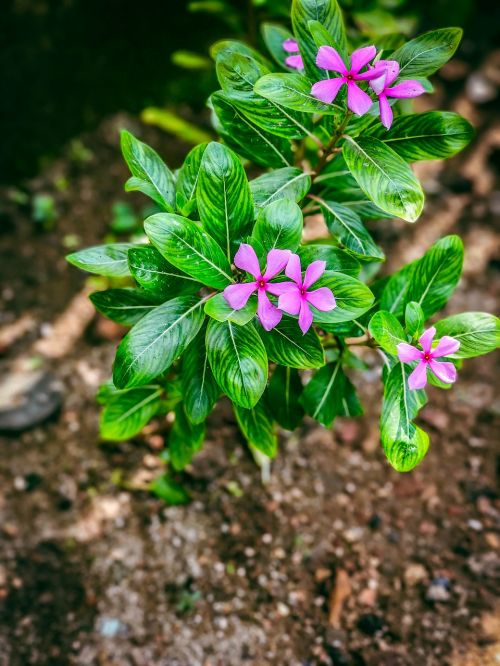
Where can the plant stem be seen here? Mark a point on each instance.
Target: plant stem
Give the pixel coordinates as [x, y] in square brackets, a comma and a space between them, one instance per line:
[330, 147]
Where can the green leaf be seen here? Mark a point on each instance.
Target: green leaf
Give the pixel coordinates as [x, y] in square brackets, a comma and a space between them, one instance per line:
[238, 360]
[187, 180]
[238, 75]
[345, 225]
[336, 259]
[169, 491]
[189, 248]
[384, 177]
[286, 345]
[126, 414]
[404, 443]
[287, 183]
[249, 140]
[414, 319]
[108, 260]
[353, 298]
[150, 175]
[292, 91]
[150, 348]
[256, 424]
[393, 297]
[283, 393]
[274, 35]
[199, 387]
[387, 331]
[323, 396]
[154, 274]
[477, 332]
[218, 308]
[434, 135]
[125, 306]
[228, 47]
[425, 54]
[279, 225]
[328, 13]
[223, 196]
[436, 275]
[185, 439]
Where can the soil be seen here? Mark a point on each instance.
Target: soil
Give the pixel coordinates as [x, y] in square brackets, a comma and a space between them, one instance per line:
[338, 560]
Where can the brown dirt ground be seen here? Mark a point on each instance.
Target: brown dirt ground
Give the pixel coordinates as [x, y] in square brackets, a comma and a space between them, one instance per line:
[338, 560]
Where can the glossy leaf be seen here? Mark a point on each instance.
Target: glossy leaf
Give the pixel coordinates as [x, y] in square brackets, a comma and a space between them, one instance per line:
[283, 394]
[394, 294]
[384, 177]
[292, 91]
[155, 275]
[434, 135]
[477, 332]
[387, 331]
[187, 180]
[189, 249]
[150, 175]
[125, 306]
[108, 260]
[185, 439]
[228, 47]
[286, 345]
[256, 424]
[274, 35]
[345, 225]
[126, 414]
[169, 491]
[352, 296]
[414, 319]
[425, 54]
[238, 360]
[199, 387]
[218, 308]
[335, 258]
[279, 225]
[223, 195]
[150, 348]
[325, 394]
[287, 183]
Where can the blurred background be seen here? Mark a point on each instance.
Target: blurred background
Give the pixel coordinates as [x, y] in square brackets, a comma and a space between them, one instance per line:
[339, 560]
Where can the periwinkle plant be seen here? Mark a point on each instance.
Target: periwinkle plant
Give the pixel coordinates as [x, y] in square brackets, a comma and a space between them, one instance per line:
[224, 297]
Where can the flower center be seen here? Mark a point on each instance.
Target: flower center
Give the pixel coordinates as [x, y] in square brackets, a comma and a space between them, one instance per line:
[427, 357]
[261, 284]
[303, 292]
[350, 77]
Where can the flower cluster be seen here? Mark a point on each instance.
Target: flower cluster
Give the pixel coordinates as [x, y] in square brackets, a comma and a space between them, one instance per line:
[380, 77]
[294, 298]
[426, 357]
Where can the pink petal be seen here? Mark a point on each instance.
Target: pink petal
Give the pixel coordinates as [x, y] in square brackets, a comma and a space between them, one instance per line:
[268, 314]
[276, 262]
[290, 46]
[418, 378]
[372, 73]
[405, 89]
[322, 299]
[445, 347]
[328, 58]
[293, 269]
[278, 288]
[237, 295]
[305, 317]
[327, 90]
[386, 114]
[357, 100]
[246, 259]
[378, 85]
[444, 371]
[290, 302]
[391, 68]
[407, 353]
[295, 62]
[426, 339]
[361, 57]
[313, 272]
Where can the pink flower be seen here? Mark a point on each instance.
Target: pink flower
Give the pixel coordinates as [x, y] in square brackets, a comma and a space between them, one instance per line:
[295, 297]
[444, 371]
[402, 90]
[294, 61]
[237, 295]
[357, 100]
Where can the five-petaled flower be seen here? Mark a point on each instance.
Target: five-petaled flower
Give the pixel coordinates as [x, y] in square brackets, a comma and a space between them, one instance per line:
[381, 86]
[294, 61]
[237, 295]
[328, 58]
[295, 297]
[426, 357]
